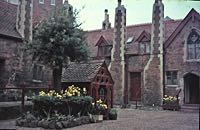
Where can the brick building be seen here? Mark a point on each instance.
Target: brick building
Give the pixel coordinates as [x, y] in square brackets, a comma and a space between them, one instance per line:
[149, 60]
[17, 19]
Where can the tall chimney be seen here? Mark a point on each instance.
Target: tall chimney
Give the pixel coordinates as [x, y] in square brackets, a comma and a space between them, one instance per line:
[153, 71]
[106, 24]
[24, 19]
[117, 65]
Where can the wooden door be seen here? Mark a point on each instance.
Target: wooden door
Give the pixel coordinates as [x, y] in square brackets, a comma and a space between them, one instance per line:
[135, 86]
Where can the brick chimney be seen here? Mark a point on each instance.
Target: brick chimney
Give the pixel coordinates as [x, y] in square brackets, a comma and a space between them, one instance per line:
[106, 24]
[68, 8]
[153, 71]
[24, 19]
[117, 65]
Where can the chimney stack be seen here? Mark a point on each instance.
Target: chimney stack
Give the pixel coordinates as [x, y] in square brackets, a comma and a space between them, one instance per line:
[153, 71]
[117, 65]
[24, 19]
[106, 24]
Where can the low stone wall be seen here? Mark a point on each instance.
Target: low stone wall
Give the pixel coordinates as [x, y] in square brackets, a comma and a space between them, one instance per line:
[11, 110]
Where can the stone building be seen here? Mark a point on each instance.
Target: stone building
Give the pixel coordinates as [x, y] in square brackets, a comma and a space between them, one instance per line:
[17, 18]
[152, 59]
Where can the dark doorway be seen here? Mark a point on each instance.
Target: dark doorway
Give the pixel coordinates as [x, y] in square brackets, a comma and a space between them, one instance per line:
[2, 70]
[191, 88]
[135, 86]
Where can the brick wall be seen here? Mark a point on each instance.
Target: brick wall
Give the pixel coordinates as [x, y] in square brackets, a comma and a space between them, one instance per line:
[42, 11]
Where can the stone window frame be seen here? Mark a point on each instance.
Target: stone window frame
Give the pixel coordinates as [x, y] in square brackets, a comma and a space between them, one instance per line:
[39, 72]
[186, 46]
[53, 2]
[41, 1]
[171, 74]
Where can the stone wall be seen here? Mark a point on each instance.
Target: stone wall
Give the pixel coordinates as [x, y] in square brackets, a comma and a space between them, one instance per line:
[10, 52]
[175, 58]
[152, 93]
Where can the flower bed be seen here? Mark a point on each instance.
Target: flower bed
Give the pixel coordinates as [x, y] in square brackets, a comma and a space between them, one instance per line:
[66, 109]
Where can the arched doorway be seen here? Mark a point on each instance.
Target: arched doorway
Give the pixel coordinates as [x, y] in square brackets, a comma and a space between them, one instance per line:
[191, 88]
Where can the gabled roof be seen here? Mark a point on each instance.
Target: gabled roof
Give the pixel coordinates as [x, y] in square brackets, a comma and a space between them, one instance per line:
[102, 42]
[192, 15]
[132, 31]
[81, 72]
[144, 37]
[8, 15]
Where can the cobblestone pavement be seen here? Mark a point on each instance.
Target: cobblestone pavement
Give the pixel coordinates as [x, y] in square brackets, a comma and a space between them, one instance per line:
[131, 119]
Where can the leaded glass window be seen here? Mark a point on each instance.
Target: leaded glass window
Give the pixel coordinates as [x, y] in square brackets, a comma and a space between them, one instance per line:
[193, 46]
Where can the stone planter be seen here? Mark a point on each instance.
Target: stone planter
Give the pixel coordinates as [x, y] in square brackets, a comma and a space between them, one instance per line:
[174, 107]
[97, 118]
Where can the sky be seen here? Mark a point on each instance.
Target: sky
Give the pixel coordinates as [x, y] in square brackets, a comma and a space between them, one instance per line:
[138, 11]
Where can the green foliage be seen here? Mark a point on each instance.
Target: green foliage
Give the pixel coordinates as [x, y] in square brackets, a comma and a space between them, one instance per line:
[47, 106]
[58, 39]
[112, 114]
[98, 108]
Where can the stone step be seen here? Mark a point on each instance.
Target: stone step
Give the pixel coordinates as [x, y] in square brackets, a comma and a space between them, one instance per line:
[132, 104]
[190, 108]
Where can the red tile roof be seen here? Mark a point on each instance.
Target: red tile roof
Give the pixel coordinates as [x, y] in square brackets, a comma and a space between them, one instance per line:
[8, 13]
[132, 31]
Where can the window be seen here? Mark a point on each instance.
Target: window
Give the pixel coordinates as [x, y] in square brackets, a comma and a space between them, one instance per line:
[13, 1]
[38, 72]
[130, 40]
[144, 47]
[193, 46]
[53, 2]
[41, 1]
[102, 93]
[104, 50]
[171, 77]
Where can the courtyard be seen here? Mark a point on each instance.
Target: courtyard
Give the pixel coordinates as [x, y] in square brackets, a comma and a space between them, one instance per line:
[134, 119]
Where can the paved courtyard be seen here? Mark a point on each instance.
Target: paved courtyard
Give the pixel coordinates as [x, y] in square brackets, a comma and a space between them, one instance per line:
[131, 119]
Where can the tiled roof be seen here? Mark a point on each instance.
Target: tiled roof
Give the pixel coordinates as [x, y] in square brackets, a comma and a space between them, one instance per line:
[132, 31]
[8, 14]
[81, 72]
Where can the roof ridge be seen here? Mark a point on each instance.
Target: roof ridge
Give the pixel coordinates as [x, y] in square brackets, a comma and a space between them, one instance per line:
[135, 25]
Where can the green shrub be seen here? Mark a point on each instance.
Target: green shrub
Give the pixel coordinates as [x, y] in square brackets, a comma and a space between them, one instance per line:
[112, 114]
[46, 106]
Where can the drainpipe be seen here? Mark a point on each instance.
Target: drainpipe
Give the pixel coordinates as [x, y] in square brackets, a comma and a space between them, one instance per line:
[164, 52]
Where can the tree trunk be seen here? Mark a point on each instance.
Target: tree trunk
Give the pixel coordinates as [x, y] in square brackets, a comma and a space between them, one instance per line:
[57, 75]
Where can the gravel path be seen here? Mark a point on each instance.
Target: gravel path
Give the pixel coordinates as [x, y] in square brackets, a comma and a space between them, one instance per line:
[131, 119]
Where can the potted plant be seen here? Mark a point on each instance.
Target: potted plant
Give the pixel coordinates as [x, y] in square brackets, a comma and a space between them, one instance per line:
[112, 114]
[170, 102]
[97, 110]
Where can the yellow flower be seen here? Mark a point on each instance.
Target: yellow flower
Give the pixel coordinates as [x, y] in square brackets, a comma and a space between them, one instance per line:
[42, 93]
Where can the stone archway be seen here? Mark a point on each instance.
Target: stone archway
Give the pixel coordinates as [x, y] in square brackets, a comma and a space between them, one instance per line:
[191, 88]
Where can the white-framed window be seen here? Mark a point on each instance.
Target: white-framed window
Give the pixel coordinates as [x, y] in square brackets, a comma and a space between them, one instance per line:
[172, 77]
[53, 2]
[193, 46]
[41, 1]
